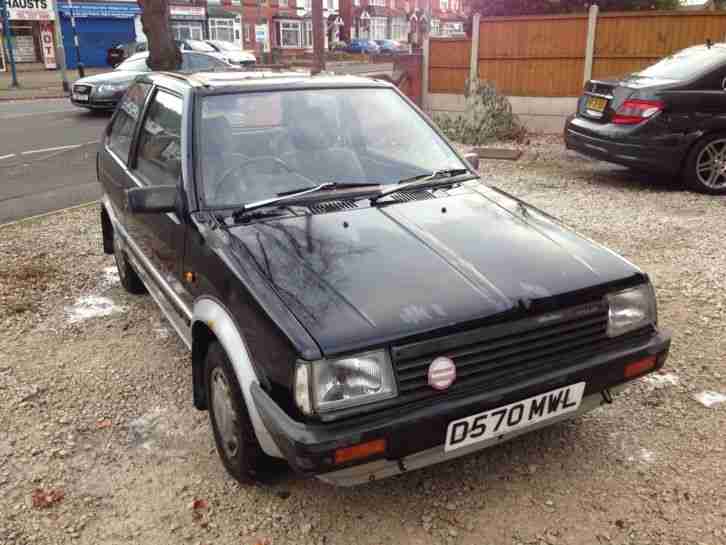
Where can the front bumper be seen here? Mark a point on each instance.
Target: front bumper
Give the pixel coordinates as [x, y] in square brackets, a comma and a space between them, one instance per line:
[653, 150]
[94, 103]
[415, 434]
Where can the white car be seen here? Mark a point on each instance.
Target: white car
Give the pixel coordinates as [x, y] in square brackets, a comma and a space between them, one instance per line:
[232, 53]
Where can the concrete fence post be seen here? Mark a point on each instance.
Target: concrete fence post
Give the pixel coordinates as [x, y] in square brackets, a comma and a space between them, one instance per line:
[590, 44]
[474, 60]
[425, 73]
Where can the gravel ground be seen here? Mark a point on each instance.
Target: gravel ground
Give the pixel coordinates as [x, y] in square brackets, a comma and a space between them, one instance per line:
[99, 442]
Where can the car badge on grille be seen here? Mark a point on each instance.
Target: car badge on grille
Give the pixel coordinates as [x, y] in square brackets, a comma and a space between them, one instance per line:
[442, 373]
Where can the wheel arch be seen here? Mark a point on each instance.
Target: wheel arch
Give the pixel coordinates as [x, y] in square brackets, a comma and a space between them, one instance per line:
[699, 136]
[212, 321]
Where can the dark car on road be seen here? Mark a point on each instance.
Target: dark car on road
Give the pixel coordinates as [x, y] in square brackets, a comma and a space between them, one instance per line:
[392, 47]
[667, 119]
[103, 91]
[355, 299]
[363, 46]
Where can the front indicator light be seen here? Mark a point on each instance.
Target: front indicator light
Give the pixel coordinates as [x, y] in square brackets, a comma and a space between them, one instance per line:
[363, 450]
[640, 367]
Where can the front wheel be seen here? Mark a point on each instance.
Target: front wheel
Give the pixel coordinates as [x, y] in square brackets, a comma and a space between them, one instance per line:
[705, 169]
[234, 434]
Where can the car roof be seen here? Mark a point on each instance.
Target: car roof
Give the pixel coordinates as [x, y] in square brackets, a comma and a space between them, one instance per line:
[217, 83]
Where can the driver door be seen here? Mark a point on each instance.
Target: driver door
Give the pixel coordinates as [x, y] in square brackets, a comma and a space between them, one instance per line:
[157, 161]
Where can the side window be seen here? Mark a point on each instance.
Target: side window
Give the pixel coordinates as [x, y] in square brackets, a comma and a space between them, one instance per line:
[204, 62]
[129, 110]
[159, 157]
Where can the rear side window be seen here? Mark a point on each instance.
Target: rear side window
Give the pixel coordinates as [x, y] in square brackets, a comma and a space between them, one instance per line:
[159, 157]
[687, 64]
[129, 111]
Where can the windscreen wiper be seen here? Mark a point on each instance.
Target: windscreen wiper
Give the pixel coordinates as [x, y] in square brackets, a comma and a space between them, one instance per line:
[289, 197]
[432, 179]
[330, 185]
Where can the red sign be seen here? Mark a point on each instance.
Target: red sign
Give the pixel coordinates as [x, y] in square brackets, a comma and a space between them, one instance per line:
[46, 44]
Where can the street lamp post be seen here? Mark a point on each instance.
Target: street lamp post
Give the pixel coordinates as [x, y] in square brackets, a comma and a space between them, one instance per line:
[60, 48]
[79, 63]
[8, 41]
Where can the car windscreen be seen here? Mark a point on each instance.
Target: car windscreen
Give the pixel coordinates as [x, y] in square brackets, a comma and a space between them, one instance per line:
[134, 65]
[200, 46]
[258, 145]
[225, 46]
[686, 64]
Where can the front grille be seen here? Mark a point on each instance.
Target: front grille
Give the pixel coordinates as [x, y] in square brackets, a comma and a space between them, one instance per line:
[82, 89]
[503, 354]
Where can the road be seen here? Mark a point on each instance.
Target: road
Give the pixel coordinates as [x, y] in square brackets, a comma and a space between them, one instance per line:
[47, 157]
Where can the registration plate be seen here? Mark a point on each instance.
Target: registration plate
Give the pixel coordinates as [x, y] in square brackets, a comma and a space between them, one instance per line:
[80, 98]
[515, 416]
[596, 104]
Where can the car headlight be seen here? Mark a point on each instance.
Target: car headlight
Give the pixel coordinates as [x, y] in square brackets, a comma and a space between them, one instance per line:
[326, 385]
[631, 309]
[110, 88]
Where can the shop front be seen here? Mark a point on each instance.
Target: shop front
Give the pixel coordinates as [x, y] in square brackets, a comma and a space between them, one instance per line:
[31, 26]
[188, 22]
[100, 26]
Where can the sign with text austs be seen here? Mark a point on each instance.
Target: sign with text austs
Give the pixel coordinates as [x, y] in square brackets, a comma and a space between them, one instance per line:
[30, 10]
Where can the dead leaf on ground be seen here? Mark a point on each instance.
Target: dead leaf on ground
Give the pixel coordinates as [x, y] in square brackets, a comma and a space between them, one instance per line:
[103, 423]
[45, 498]
[198, 503]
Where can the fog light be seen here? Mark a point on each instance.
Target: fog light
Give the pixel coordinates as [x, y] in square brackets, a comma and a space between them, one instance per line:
[364, 450]
[639, 367]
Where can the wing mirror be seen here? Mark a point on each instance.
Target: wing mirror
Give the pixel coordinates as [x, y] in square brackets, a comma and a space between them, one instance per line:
[155, 199]
[473, 160]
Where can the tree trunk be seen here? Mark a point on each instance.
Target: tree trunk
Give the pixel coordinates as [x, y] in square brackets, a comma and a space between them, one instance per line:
[318, 37]
[163, 51]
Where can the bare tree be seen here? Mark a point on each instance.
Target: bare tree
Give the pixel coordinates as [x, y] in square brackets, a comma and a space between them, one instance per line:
[163, 51]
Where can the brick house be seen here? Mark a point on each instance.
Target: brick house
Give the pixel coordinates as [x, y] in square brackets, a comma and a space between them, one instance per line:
[402, 20]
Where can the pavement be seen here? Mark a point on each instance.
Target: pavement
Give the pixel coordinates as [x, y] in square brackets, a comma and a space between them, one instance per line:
[39, 83]
[47, 156]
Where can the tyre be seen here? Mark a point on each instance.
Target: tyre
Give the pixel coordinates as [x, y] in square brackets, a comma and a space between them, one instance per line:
[705, 169]
[234, 435]
[126, 273]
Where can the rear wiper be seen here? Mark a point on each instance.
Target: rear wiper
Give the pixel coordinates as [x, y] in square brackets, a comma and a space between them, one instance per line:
[432, 179]
[296, 195]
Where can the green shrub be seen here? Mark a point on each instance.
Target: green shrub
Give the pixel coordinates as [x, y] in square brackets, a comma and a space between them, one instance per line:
[487, 116]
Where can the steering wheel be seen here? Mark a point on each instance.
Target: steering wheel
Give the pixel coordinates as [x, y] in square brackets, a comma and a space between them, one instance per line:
[226, 178]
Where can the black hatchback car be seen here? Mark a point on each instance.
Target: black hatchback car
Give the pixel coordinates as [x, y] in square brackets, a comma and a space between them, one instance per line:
[356, 301]
[668, 118]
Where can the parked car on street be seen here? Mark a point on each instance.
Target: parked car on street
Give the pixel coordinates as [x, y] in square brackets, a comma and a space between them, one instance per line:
[120, 52]
[232, 53]
[337, 45]
[363, 46]
[392, 47]
[103, 91]
[668, 118]
[356, 301]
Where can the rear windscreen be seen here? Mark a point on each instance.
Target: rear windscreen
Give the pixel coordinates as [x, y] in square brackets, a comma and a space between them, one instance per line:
[687, 64]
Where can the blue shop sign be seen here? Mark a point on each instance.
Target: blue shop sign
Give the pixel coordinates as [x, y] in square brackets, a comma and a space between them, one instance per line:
[105, 11]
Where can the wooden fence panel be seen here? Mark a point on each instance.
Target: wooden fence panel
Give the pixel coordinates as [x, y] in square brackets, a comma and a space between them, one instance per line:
[449, 64]
[628, 42]
[545, 55]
